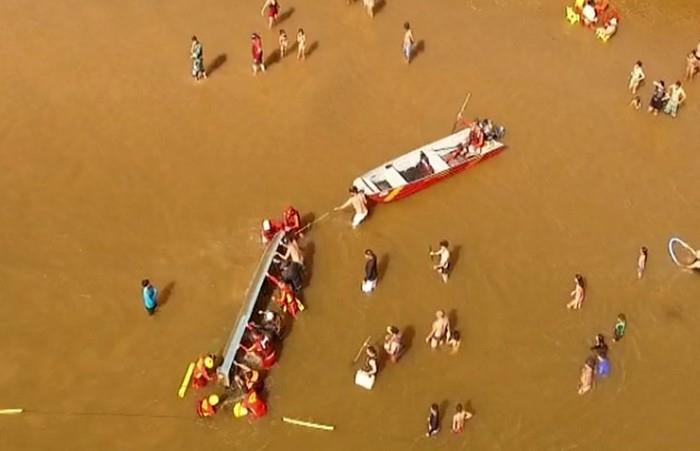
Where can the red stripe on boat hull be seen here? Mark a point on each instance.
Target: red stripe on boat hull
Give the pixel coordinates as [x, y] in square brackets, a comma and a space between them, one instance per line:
[412, 188]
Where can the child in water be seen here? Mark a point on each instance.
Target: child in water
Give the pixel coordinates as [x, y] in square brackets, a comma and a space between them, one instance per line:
[433, 421]
[636, 102]
[641, 262]
[579, 293]
[459, 419]
[454, 341]
[620, 324]
[636, 77]
[284, 43]
[301, 44]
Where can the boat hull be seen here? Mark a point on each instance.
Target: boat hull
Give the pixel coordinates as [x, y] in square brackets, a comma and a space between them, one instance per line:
[404, 191]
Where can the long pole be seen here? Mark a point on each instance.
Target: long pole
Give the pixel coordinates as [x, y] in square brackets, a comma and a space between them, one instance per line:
[461, 111]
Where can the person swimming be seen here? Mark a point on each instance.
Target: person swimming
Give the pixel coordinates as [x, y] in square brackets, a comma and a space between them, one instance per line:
[620, 325]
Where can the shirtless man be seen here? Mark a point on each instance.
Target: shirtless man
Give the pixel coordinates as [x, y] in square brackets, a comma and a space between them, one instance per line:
[440, 332]
[443, 266]
[293, 251]
[358, 200]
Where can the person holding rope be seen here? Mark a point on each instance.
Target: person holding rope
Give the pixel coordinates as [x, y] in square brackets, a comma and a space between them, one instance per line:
[358, 201]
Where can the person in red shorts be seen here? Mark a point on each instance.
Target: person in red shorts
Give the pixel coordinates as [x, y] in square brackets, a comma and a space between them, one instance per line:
[292, 220]
[256, 50]
[273, 11]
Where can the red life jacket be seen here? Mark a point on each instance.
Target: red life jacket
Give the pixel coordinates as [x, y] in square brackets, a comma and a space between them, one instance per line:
[267, 235]
[292, 220]
[204, 409]
[254, 404]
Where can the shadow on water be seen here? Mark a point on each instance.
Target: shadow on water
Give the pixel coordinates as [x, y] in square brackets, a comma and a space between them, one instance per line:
[454, 257]
[452, 318]
[166, 293]
[382, 265]
[285, 15]
[419, 48]
[273, 58]
[308, 250]
[312, 48]
[407, 337]
[378, 6]
[216, 64]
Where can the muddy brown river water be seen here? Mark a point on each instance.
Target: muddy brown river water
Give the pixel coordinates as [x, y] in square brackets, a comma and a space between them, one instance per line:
[116, 167]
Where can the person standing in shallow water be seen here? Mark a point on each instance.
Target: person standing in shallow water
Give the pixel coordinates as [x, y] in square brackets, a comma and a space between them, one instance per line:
[197, 55]
[150, 296]
[676, 97]
[578, 295]
[369, 283]
[408, 42]
[256, 50]
[443, 266]
[641, 262]
[433, 421]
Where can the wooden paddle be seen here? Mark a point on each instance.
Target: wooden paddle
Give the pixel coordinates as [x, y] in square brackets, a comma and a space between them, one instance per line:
[461, 111]
[359, 352]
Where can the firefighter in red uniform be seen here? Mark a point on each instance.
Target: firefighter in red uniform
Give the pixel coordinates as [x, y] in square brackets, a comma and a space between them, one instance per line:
[263, 348]
[292, 220]
[287, 300]
[206, 407]
[203, 371]
[254, 404]
[270, 227]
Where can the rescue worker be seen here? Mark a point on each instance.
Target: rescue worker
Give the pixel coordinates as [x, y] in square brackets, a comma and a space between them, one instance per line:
[292, 220]
[246, 378]
[287, 299]
[271, 322]
[270, 227]
[203, 371]
[206, 407]
[252, 404]
[262, 347]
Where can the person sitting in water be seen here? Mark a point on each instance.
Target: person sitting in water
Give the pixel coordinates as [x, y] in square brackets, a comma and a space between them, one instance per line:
[246, 378]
